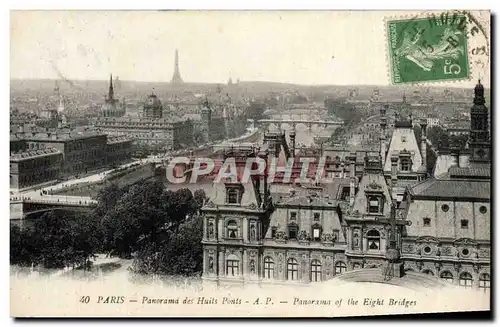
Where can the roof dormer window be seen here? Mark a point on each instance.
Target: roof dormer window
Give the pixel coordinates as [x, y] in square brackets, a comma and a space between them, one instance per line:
[375, 204]
[405, 164]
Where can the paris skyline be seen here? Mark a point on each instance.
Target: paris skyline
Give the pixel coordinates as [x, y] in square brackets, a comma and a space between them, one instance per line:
[251, 46]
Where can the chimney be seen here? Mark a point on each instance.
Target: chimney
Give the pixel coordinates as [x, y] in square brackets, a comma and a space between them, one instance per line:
[455, 154]
[463, 159]
[276, 147]
[352, 181]
[394, 169]
[292, 142]
[423, 147]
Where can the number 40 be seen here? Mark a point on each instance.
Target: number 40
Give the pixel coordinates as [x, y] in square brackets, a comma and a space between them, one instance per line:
[85, 299]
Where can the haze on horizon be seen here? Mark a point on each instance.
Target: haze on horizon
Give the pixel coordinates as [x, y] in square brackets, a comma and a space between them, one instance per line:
[298, 47]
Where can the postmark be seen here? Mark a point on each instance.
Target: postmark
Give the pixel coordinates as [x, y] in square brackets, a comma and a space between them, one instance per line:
[431, 47]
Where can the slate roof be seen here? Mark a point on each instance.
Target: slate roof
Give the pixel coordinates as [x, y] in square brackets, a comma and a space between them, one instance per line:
[307, 201]
[452, 188]
[473, 172]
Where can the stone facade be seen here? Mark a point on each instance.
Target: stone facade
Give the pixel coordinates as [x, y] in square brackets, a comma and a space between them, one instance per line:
[34, 167]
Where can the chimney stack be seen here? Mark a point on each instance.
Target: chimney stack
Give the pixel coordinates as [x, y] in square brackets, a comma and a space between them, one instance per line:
[352, 180]
[463, 160]
[455, 154]
[292, 142]
[394, 170]
[423, 147]
[383, 125]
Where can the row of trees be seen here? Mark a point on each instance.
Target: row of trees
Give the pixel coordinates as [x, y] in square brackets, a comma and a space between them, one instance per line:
[159, 228]
[440, 139]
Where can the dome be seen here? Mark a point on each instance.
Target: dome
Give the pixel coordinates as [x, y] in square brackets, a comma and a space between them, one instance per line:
[152, 101]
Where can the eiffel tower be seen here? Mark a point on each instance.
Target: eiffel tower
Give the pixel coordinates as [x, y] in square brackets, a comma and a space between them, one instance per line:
[176, 79]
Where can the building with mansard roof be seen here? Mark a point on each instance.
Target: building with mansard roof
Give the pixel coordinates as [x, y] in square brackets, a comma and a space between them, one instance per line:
[151, 130]
[360, 226]
[450, 213]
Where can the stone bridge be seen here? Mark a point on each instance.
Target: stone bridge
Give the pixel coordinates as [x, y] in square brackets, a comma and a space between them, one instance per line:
[22, 208]
[281, 123]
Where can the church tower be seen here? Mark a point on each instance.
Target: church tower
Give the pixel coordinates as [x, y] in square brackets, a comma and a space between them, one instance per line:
[479, 138]
[176, 79]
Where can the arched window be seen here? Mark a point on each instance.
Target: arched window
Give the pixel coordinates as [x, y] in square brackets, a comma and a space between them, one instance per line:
[268, 267]
[232, 266]
[484, 281]
[340, 267]
[356, 265]
[465, 280]
[428, 272]
[292, 269]
[373, 238]
[232, 229]
[447, 276]
[315, 271]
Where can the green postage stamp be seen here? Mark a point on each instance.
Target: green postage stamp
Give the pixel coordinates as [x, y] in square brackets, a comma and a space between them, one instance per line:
[428, 49]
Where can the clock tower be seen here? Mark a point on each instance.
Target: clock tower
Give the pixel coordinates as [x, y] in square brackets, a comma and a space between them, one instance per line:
[479, 138]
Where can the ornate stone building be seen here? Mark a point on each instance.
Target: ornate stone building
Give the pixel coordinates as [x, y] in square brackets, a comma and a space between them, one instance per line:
[151, 131]
[450, 232]
[235, 221]
[312, 233]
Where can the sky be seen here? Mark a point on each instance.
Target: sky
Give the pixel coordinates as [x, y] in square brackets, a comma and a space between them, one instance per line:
[315, 47]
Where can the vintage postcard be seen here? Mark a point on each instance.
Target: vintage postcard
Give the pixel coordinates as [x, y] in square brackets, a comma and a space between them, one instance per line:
[249, 163]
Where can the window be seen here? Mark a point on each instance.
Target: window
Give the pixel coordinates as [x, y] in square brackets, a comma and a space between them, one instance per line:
[292, 232]
[273, 232]
[293, 215]
[335, 234]
[356, 265]
[403, 139]
[316, 232]
[316, 216]
[232, 267]
[484, 282]
[482, 209]
[428, 272]
[233, 195]
[427, 250]
[340, 267]
[447, 276]
[427, 222]
[405, 164]
[465, 280]
[445, 207]
[374, 204]
[345, 193]
[232, 229]
[464, 223]
[292, 269]
[315, 271]
[373, 238]
[465, 252]
[268, 267]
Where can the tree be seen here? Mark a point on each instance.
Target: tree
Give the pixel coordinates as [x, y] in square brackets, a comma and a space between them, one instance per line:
[22, 248]
[138, 215]
[179, 254]
[438, 137]
[344, 110]
[179, 205]
[199, 198]
[63, 239]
